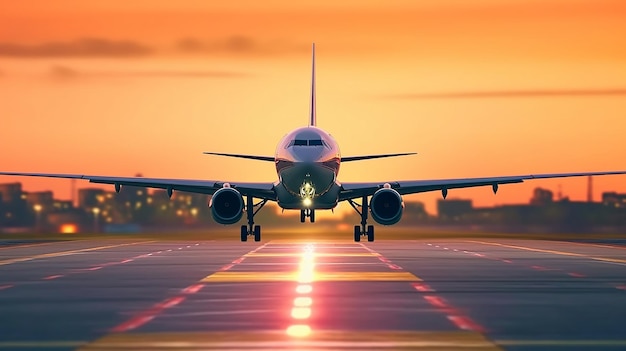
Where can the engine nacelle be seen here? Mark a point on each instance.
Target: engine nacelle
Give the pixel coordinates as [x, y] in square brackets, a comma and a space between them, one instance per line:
[226, 206]
[386, 206]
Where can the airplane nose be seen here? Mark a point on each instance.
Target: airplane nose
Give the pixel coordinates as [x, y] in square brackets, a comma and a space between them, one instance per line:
[308, 154]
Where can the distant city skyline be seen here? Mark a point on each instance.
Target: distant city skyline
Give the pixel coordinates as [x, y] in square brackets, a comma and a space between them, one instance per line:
[135, 209]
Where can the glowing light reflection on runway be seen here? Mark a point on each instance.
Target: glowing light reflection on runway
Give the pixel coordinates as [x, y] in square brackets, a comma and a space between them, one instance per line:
[304, 289]
[302, 304]
[299, 330]
[301, 312]
[302, 301]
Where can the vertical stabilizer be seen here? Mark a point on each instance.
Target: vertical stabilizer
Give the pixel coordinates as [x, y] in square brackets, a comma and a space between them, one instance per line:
[312, 117]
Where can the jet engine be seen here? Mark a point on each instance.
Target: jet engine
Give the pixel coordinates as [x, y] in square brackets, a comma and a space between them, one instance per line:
[226, 206]
[386, 206]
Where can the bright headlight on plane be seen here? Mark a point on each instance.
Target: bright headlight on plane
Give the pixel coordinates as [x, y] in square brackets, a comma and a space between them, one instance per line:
[307, 190]
[307, 202]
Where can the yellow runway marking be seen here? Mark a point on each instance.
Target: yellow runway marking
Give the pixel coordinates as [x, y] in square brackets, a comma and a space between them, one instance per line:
[66, 253]
[597, 245]
[279, 340]
[311, 241]
[233, 277]
[296, 254]
[555, 252]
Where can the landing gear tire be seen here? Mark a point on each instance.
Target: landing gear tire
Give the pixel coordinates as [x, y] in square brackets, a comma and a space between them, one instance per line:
[363, 229]
[257, 233]
[357, 233]
[370, 233]
[251, 229]
[307, 213]
[244, 233]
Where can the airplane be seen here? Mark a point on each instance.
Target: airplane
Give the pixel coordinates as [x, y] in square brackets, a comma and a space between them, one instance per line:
[307, 163]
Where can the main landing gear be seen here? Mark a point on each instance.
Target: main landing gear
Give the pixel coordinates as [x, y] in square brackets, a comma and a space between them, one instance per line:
[307, 213]
[251, 229]
[363, 229]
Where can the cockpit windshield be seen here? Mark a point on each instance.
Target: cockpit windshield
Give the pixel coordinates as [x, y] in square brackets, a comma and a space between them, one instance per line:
[311, 142]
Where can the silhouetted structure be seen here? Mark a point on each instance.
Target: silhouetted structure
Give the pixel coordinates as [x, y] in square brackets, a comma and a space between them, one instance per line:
[89, 198]
[613, 199]
[11, 192]
[542, 197]
[453, 209]
[44, 199]
[589, 189]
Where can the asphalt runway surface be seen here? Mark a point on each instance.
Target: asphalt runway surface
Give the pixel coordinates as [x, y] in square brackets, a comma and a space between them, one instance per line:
[447, 294]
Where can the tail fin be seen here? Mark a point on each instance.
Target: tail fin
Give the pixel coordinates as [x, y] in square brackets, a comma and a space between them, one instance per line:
[313, 117]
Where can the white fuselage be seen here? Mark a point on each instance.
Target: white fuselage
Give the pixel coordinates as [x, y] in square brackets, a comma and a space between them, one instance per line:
[307, 163]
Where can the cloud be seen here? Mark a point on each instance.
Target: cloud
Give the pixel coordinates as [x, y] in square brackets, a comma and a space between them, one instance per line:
[86, 47]
[489, 94]
[65, 72]
[100, 47]
[238, 44]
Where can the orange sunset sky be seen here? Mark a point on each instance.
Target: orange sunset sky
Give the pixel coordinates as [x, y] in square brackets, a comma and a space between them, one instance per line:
[121, 87]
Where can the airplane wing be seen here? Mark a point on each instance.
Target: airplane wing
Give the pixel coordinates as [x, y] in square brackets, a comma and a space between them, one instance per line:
[250, 157]
[370, 157]
[258, 190]
[356, 190]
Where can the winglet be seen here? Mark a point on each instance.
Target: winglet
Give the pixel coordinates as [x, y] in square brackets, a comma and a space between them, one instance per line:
[312, 116]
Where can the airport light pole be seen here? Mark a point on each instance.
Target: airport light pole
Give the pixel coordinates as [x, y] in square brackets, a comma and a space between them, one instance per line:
[96, 212]
[38, 209]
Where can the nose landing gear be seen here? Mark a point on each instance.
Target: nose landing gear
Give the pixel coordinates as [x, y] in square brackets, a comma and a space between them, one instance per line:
[307, 213]
[363, 229]
[251, 211]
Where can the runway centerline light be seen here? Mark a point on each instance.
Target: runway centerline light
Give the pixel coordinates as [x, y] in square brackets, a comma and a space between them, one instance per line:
[299, 330]
[303, 301]
[301, 312]
[302, 304]
[305, 276]
[304, 289]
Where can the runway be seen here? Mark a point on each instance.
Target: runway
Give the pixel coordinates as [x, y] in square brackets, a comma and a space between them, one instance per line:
[452, 294]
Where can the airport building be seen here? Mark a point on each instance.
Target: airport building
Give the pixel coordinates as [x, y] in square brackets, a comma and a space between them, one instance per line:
[11, 192]
[40, 200]
[613, 199]
[454, 209]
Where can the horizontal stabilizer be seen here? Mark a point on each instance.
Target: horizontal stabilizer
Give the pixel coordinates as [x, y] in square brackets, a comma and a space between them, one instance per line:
[369, 157]
[251, 157]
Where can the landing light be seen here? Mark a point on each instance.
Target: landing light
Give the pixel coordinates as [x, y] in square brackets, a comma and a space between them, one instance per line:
[307, 190]
[306, 202]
